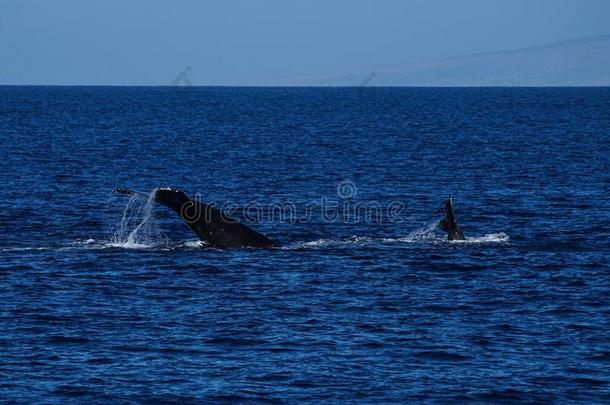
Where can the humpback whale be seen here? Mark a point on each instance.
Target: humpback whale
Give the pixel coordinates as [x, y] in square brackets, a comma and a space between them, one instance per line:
[449, 223]
[209, 223]
[216, 228]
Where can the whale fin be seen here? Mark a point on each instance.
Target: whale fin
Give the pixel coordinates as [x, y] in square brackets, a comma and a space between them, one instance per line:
[449, 223]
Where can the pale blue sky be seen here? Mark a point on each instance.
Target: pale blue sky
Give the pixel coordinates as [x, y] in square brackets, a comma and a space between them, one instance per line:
[237, 42]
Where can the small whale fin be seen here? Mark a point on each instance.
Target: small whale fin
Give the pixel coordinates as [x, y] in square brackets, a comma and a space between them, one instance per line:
[449, 223]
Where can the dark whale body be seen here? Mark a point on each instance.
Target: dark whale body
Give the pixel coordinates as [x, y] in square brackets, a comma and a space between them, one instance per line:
[449, 223]
[209, 223]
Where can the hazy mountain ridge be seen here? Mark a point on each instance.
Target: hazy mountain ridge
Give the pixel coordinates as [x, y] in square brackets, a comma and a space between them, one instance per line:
[577, 62]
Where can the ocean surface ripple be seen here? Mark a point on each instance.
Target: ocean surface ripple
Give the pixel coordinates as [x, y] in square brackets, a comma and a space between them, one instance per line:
[110, 300]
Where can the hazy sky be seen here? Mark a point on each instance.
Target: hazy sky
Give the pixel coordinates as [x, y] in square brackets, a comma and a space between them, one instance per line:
[265, 41]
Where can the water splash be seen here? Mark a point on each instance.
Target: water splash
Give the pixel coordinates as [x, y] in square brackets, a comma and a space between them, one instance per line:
[489, 238]
[431, 233]
[354, 240]
[427, 232]
[139, 229]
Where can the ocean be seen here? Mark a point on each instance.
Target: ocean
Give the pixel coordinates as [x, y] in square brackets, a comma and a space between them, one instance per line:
[106, 299]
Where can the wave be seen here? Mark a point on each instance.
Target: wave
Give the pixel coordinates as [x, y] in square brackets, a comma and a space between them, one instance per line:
[138, 230]
[131, 245]
[489, 238]
[25, 248]
[426, 234]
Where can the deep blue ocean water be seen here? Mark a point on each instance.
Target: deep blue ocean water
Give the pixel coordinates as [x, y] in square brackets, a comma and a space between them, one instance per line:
[347, 310]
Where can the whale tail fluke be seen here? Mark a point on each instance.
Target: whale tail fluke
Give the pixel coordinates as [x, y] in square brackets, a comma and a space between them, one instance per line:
[126, 191]
[172, 198]
[206, 221]
[449, 223]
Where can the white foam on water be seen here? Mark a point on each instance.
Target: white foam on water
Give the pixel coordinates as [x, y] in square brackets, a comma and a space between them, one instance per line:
[194, 244]
[489, 238]
[431, 233]
[422, 234]
[139, 230]
[354, 240]
[129, 245]
[428, 233]
[24, 249]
